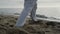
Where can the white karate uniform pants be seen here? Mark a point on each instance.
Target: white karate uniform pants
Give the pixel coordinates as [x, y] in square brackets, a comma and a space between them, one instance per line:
[30, 6]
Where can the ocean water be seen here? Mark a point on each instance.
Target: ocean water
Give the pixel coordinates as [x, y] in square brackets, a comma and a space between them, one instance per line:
[50, 12]
[50, 8]
[10, 11]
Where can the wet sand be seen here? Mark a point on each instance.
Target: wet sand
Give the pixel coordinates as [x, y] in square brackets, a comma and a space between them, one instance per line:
[7, 26]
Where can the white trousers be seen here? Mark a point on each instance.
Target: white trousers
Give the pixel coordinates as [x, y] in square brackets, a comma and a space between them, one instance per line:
[30, 6]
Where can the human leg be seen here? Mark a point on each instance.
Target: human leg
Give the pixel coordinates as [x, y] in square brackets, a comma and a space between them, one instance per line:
[33, 13]
[28, 6]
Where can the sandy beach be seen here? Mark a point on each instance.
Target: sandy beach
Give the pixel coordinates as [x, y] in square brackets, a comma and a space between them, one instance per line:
[7, 26]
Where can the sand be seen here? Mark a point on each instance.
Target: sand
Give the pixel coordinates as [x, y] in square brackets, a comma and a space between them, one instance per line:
[7, 26]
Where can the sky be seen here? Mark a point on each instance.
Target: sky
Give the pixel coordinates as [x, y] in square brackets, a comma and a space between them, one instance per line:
[11, 3]
[19, 3]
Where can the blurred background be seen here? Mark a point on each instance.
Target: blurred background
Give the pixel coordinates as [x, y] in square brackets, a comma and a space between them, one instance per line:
[50, 8]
